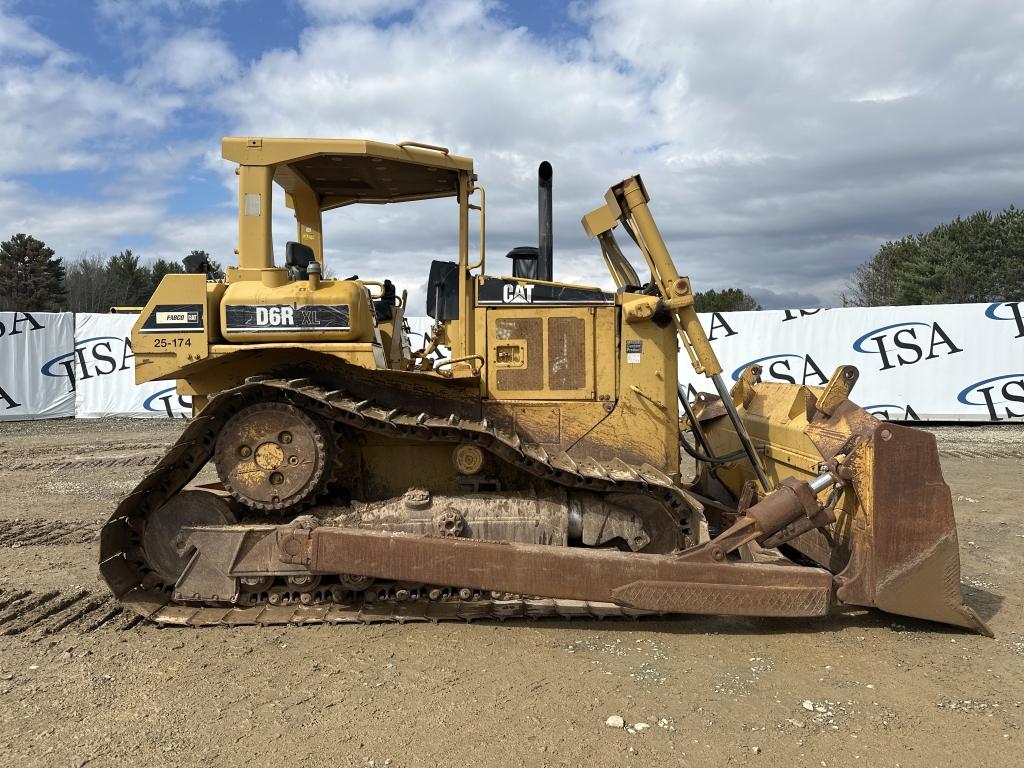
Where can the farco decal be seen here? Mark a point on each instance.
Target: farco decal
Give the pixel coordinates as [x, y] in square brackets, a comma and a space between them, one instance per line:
[165, 318]
[160, 402]
[996, 394]
[1012, 311]
[898, 338]
[98, 356]
[787, 367]
[271, 318]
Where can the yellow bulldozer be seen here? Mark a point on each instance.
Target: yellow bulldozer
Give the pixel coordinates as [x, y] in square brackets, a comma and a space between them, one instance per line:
[534, 470]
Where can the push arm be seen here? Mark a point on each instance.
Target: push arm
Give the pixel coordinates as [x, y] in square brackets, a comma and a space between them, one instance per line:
[626, 204]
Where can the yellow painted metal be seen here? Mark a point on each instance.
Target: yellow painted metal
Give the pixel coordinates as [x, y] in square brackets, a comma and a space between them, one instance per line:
[162, 355]
[776, 419]
[308, 219]
[255, 245]
[297, 295]
[675, 289]
[278, 151]
[461, 331]
[525, 349]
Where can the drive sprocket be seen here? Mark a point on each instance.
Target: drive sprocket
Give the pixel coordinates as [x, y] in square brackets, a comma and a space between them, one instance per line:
[272, 456]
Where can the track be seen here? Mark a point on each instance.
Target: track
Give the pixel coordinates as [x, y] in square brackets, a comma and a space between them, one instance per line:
[123, 562]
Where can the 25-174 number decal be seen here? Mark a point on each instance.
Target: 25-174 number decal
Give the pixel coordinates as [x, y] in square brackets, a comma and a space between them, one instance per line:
[175, 342]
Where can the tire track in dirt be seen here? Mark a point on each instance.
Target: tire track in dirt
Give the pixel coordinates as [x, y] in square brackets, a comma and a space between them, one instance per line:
[37, 615]
[14, 448]
[88, 462]
[42, 532]
[982, 453]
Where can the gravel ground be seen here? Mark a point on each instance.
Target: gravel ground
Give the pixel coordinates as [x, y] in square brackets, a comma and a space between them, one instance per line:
[86, 686]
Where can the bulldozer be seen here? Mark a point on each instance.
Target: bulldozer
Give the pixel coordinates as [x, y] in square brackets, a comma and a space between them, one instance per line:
[532, 458]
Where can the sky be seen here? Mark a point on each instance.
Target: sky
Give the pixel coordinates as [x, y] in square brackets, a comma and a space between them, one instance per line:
[781, 141]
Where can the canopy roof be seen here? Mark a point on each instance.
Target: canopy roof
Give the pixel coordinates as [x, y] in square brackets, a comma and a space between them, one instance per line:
[346, 171]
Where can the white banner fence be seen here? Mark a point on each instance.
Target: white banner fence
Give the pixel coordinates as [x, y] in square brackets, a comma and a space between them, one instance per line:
[956, 362]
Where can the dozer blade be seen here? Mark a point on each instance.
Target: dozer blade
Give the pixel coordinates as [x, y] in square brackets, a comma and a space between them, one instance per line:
[901, 536]
[893, 544]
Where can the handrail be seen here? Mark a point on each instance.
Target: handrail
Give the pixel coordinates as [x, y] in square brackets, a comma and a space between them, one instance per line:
[451, 361]
[421, 145]
[483, 224]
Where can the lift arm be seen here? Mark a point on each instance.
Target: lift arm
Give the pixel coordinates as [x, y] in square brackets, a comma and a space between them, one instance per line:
[626, 204]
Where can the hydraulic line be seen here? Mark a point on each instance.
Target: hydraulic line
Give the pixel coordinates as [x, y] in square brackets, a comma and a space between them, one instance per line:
[741, 430]
[698, 431]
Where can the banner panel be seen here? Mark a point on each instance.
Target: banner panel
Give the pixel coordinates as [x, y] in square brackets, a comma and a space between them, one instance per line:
[956, 362]
[960, 362]
[35, 350]
[419, 336]
[104, 375]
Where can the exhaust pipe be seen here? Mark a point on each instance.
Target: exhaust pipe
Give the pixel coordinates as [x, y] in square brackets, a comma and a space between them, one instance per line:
[545, 266]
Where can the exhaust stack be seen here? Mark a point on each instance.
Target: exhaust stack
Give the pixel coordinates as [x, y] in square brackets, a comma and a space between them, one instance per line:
[545, 265]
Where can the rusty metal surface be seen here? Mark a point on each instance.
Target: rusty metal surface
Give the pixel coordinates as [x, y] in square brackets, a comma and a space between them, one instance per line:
[665, 583]
[272, 456]
[123, 560]
[881, 573]
[900, 536]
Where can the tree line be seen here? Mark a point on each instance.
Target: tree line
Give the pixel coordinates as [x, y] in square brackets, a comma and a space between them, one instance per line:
[34, 278]
[979, 258]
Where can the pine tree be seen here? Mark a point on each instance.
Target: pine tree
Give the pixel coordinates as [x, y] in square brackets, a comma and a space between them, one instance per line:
[163, 267]
[129, 282]
[31, 276]
[979, 258]
[725, 300]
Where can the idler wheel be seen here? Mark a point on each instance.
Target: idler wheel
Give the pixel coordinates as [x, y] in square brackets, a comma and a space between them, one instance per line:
[272, 456]
[164, 532]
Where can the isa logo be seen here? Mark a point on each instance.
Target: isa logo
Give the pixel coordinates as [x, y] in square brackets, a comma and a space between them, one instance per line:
[893, 412]
[1007, 310]
[997, 394]
[98, 356]
[167, 402]
[788, 367]
[903, 344]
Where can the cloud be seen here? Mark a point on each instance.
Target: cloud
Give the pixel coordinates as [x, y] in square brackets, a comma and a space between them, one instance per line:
[451, 74]
[333, 10]
[17, 39]
[192, 59]
[53, 113]
[781, 143]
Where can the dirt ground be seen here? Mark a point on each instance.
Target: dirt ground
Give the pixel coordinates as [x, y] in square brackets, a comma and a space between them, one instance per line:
[83, 685]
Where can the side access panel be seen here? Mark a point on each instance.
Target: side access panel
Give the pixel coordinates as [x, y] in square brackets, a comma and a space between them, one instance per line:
[175, 327]
[548, 353]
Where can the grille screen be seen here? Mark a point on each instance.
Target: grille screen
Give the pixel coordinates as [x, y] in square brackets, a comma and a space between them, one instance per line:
[530, 330]
[567, 365]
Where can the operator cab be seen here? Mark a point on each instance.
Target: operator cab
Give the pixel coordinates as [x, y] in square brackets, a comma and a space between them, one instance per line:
[318, 176]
